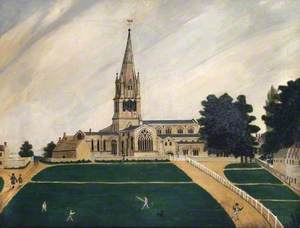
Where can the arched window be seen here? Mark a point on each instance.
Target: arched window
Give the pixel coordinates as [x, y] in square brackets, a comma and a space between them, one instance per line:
[180, 131]
[92, 144]
[132, 143]
[168, 131]
[104, 145]
[191, 131]
[130, 85]
[98, 145]
[114, 147]
[158, 130]
[145, 142]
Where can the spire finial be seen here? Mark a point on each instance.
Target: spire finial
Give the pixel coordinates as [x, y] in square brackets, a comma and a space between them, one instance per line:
[129, 23]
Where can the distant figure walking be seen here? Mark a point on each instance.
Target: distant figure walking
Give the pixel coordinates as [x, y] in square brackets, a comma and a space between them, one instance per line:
[44, 206]
[236, 209]
[20, 180]
[13, 181]
[145, 201]
[70, 216]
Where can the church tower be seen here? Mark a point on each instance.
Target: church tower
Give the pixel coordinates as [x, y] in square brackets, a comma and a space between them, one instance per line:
[127, 100]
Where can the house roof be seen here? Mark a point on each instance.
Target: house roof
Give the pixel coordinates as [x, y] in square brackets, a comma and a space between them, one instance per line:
[69, 143]
[169, 121]
[105, 131]
[130, 128]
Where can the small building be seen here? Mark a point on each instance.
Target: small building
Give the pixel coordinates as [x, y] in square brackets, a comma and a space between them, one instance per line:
[287, 163]
[71, 148]
[11, 160]
[4, 153]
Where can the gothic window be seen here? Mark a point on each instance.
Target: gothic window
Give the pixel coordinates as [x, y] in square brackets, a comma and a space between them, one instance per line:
[104, 145]
[180, 131]
[170, 143]
[92, 144]
[185, 152]
[130, 85]
[168, 131]
[145, 141]
[98, 145]
[191, 131]
[158, 130]
[114, 147]
[132, 143]
[195, 152]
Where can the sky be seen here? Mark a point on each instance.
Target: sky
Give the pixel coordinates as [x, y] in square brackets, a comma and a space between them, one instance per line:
[59, 59]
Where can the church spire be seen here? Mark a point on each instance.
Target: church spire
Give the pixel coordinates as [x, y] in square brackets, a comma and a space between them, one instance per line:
[127, 70]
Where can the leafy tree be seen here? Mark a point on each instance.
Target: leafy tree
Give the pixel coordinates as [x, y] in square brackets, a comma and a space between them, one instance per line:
[246, 140]
[225, 126]
[26, 150]
[49, 149]
[283, 118]
[272, 96]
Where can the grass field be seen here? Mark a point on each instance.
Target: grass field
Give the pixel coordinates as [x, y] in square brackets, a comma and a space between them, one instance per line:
[268, 189]
[1, 183]
[251, 176]
[183, 204]
[243, 165]
[113, 172]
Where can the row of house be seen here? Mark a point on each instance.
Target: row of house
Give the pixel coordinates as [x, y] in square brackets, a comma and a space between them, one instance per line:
[286, 163]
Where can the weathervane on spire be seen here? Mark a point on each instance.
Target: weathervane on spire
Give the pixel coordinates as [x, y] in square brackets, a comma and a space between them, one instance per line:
[129, 23]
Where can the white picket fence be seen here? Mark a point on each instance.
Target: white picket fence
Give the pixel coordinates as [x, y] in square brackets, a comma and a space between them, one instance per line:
[265, 212]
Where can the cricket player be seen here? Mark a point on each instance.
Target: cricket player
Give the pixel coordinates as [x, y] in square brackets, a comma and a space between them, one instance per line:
[44, 206]
[70, 216]
[145, 201]
[236, 209]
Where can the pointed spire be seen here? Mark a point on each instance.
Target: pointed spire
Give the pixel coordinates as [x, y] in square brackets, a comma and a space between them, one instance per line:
[127, 70]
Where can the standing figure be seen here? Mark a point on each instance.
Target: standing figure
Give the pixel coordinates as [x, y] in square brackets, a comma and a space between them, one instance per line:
[145, 201]
[70, 216]
[44, 206]
[236, 209]
[20, 180]
[13, 181]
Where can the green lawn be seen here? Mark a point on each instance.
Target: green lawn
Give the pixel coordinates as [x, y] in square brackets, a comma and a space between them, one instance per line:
[243, 165]
[270, 192]
[113, 172]
[251, 176]
[283, 209]
[114, 204]
[1, 183]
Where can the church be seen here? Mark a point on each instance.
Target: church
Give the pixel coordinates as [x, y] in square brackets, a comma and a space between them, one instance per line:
[130, 135]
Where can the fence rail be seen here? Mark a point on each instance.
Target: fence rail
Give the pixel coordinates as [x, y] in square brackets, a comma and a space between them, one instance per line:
[265, 212]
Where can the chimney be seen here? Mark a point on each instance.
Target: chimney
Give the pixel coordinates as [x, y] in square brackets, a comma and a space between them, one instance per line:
[5, 143]
[90, 130]
[59, 139]
[65, 135]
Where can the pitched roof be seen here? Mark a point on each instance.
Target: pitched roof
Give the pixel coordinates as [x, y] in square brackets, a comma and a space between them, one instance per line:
[130, 128]
[182, 142]
[69, 143]
[105, 131]
[169, 121]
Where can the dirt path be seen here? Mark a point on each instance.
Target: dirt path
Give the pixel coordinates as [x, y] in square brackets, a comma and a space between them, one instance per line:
[7, 194]
[249, 217]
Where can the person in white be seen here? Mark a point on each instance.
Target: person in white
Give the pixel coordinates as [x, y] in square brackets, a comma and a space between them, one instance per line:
[44, 206]
[70, 216]
[145, 201]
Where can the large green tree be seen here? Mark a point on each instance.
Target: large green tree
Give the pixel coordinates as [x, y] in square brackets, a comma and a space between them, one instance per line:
[49, 149]
[26, 150]
[225, 126]
[283, 118]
